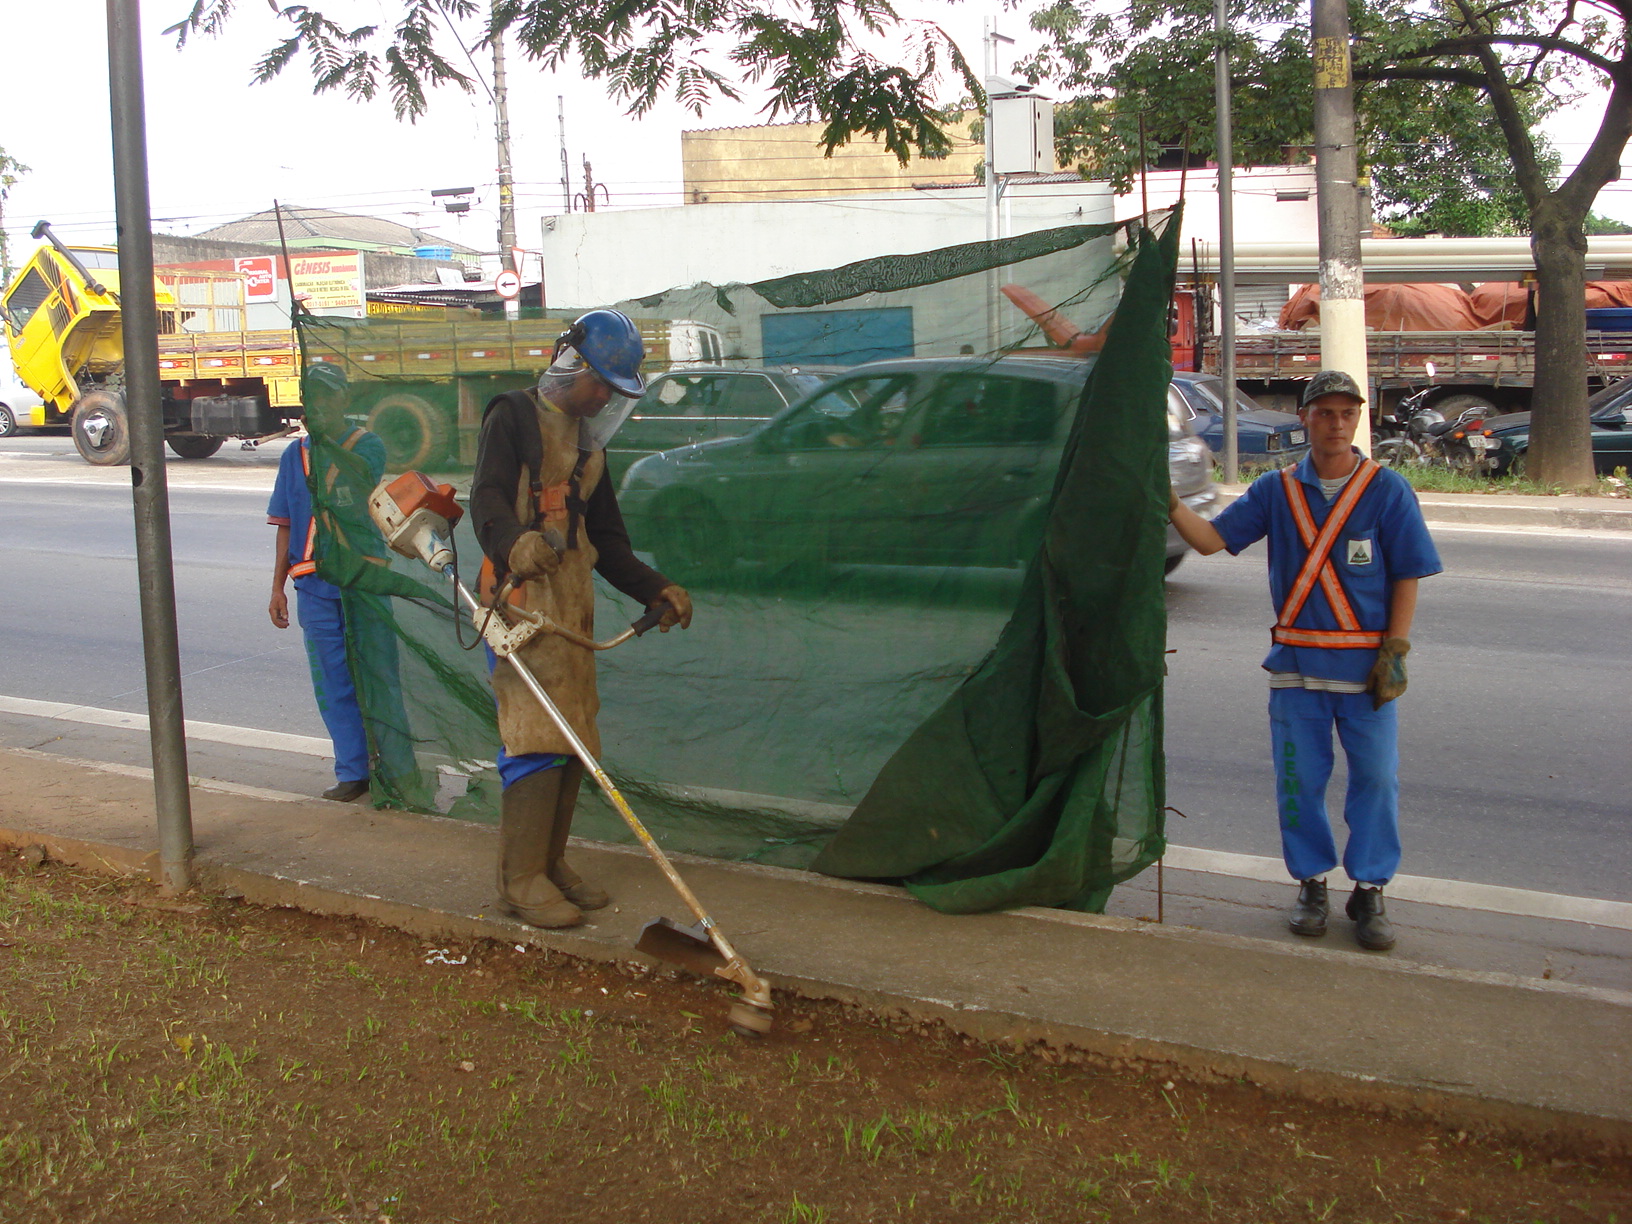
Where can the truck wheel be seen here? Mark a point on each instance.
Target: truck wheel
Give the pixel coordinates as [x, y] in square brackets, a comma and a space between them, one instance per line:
[101, 430]
[415, 432]
[1453, 406]
[8, 423]
[193, 446]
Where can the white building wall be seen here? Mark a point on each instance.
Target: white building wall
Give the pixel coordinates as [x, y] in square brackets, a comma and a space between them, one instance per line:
[595, 258]
[1267, 204]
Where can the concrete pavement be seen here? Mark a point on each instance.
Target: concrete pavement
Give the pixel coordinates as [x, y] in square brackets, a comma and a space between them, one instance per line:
[1508, 1049]
[1509, 510]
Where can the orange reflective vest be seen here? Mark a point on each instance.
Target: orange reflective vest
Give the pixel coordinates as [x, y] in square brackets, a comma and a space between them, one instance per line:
[1318, 568]
[308, 557]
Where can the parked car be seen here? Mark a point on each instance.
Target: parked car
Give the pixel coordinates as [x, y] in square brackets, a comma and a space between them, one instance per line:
[700, 403]
[930, 461]
[1611, 415]
[1262, 436]
[17, 403]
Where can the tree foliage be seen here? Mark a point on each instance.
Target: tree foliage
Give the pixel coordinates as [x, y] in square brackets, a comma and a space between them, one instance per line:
[10, 171]
[817, 58]
[1434, 158]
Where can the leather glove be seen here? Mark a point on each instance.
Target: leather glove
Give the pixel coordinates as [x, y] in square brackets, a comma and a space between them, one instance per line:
[1387, 679]
[531, 557]
[679, 608]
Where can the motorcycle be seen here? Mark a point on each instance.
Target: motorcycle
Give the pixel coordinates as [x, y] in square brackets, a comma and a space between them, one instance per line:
[1416, 435]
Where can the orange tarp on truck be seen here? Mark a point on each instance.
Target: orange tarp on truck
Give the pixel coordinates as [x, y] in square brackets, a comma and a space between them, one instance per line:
[1393, 308]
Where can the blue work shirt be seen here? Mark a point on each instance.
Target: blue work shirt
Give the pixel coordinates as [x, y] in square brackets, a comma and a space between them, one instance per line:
[291, 504]
[1384, 541]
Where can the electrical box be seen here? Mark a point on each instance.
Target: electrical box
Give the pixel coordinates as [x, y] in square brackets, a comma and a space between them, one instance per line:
[1022, 133]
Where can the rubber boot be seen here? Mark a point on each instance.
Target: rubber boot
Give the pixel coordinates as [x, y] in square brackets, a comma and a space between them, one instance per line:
[1308, 913]
[584, 896]
[527, 817]
[1372, 929]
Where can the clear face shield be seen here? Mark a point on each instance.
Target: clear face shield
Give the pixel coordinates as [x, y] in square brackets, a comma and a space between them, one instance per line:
[572, 386]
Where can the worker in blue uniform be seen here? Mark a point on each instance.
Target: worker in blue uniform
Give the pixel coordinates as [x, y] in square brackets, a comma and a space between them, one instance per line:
[1347, 545]
[318, 604]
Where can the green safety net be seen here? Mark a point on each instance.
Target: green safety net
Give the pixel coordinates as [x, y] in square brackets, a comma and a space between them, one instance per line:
[929, 623]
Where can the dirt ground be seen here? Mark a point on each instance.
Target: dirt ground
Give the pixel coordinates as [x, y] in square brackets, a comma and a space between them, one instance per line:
[205, 1060]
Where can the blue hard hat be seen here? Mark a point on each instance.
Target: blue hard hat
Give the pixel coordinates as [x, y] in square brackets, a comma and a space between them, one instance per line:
[610, 344]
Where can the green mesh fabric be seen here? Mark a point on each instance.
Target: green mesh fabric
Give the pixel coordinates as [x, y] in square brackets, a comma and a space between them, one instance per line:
[928, 594]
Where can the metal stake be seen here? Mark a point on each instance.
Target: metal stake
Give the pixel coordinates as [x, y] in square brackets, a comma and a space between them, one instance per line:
[144, 411]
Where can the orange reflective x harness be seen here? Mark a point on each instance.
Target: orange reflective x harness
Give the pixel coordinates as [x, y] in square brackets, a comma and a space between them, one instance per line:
[1317, 567]
[308, 557]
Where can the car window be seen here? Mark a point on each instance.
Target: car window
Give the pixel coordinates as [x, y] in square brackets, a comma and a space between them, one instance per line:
[990, 410]
[1178, 414]
[26, 298]
[753, 395]
[858, 412]
[683, 395]
[1611, 394]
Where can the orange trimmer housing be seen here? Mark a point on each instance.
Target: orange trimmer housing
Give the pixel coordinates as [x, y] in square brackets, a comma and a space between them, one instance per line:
[415, 491]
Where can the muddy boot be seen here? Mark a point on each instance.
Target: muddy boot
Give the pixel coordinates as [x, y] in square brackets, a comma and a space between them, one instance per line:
[1372, 929]
[1308, 913]
[527, 817]
[571, 884]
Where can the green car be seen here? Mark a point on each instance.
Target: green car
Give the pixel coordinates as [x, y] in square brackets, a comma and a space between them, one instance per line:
[1611, 414]
[929, 462]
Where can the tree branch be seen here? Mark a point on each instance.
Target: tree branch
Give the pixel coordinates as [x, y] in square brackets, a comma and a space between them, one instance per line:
[1448, 76]
[1602, 162]
[1472, 42]
[1526, 166]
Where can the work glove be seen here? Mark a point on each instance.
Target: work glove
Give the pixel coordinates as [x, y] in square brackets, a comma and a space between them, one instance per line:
[1387, 679]
[679, 612]
[531, 556]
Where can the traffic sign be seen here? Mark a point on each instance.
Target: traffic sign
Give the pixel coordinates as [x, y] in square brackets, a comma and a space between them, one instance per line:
[507, 285]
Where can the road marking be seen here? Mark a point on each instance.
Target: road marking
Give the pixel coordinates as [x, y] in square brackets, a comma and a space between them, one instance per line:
[1453, 894]
[261, 485]
[1615, 535]
[215, 733]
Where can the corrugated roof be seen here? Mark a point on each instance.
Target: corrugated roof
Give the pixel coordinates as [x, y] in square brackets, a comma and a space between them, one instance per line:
[304, 223]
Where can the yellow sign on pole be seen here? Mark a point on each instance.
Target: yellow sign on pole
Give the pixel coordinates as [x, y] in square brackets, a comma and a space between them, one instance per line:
[1331, 63]
[329, 284]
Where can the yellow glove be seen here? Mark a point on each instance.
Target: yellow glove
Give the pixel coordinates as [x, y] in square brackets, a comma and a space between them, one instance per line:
[1387, 679]
[532, 557]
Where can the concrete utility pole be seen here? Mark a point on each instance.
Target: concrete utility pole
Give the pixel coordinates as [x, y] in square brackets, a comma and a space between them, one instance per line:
[994, 223]
[1226, 238]
[566, 179]
[1342, 280]
[154, 573]
[507, 186]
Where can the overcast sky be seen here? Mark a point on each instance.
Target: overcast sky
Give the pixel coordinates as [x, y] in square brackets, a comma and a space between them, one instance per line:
[220, 148]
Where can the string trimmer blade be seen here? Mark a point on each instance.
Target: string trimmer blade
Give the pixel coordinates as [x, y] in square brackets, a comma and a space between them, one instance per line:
[686, 946]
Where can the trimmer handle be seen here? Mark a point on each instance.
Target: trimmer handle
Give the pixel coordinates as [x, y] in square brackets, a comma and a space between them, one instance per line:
[652, 618]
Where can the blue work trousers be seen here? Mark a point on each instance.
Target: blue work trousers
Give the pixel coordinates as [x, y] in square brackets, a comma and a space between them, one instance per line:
[1301, 723]
[323, 623]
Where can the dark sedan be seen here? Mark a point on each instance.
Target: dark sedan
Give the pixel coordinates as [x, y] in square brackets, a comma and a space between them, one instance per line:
[1262, 436]
[930, 461]
[1611, 415]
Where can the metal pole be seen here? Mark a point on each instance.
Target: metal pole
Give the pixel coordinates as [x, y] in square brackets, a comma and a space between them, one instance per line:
[1226, 238]
[1342, 279]
[139, 318]
[507, 189]
[566, 182]
[990, 174]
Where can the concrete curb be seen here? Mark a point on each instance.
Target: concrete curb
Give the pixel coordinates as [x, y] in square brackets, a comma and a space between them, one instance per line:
[1501, 510]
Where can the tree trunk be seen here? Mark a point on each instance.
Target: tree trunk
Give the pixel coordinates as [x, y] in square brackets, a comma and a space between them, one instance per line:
[1560, 436]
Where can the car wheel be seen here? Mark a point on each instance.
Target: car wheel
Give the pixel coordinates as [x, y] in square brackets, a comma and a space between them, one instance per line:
[1516, 468]
[689, 538]
[193, 446]
[1397, 452]
[100, 427]
[8, 422]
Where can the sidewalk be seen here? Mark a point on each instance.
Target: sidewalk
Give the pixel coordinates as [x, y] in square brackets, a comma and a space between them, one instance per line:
[1507, 510]
[1474, 1047]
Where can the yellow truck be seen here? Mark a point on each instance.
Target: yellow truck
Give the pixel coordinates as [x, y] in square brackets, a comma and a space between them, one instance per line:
[419, 381]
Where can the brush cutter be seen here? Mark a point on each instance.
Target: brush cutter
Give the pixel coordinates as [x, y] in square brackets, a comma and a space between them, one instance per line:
[416, 517]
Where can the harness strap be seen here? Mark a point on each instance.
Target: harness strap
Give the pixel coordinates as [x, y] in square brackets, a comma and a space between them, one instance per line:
[308, 557]
[1317, 567]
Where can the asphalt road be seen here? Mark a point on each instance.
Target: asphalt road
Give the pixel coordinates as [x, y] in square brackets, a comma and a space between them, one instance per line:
[1516, 768]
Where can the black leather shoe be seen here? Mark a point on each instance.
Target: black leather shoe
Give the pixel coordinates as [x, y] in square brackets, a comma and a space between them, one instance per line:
[1372, 929]
[1308, 914]
[345, 792]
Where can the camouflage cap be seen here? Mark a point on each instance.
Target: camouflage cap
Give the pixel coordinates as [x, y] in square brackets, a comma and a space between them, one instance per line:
[1330, 382]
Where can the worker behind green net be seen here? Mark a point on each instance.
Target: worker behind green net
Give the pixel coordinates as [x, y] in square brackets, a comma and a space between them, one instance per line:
[546, 515]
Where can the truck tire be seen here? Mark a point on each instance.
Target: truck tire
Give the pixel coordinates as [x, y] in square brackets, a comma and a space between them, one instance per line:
[193, 446]
[415, 432]
[1453, 406]
[8, 422]
[100, 427]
